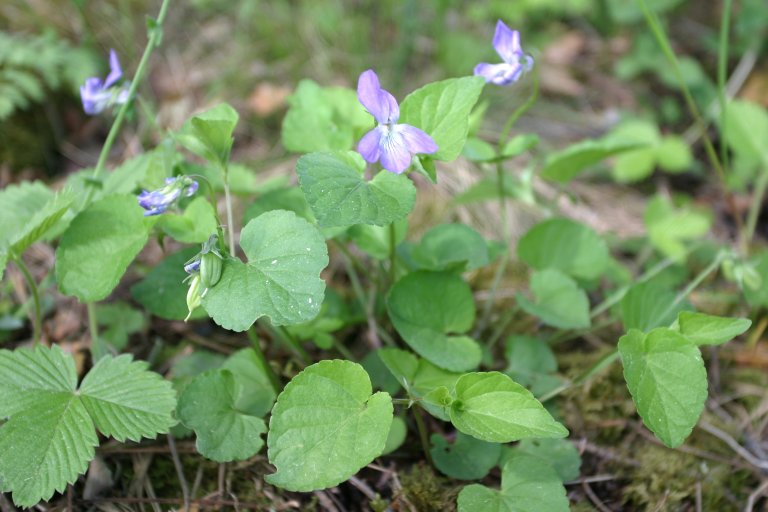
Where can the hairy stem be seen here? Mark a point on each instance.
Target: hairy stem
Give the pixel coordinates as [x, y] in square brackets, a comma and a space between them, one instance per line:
[37, 316]
[274, 380]
[423, 434]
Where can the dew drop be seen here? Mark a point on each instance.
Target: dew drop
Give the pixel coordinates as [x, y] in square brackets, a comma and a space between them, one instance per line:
[274, 262]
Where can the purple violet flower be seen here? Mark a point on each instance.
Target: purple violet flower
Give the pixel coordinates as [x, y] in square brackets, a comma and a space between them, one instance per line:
[158, 201]
[192, 267]
[97, 96]
[394, 144]
[516, 62]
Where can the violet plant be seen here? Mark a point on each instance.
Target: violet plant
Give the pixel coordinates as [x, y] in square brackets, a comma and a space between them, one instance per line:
[431, 355]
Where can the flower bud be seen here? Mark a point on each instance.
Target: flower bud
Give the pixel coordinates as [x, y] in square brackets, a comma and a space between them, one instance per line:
[194, 297]
[210, 269]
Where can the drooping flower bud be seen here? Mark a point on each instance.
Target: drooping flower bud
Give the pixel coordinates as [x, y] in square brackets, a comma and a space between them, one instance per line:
[194, 295]
[159, 200]
[210, 269]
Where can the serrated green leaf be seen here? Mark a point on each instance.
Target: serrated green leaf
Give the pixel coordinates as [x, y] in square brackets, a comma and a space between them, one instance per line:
[339, 195]
[704, 329]
[432, 311]
[466, 458]
[528, 484]
[561, 454]
[449, 247]
[209, 134]
[45, 448]
[281, 279]
[323, 119]
[98, 246]
[442, 110]
[667, 380]
[225, 433]
[162, 292]
[649, 305]
[194, 225]
[492, 407]
[565, 245]
[325, 426]
[559, 300]
[257, 395]
[126, 401]
[565, 165]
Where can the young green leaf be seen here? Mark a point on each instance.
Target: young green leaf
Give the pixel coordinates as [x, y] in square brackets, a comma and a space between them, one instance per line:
[704, 329]
[667, 380]
[257, 395]
[209, 134]
[442, 110]
[531, 364]
[528, 484]
[194, 225]
[567, 246]
[323, 119]
[747, 128]
[398, 431]
[224, 432]
[565, 165]
[98, 246]
[451, 246]
[162, 291]
[561, 454]
[281, 279]
[339, 195]
[375, 240]
[649, 305]
[559, 300]
[669, 226]
[432, 311]
[492, 407]
[325, 426]
[38, 394]
[466, 458]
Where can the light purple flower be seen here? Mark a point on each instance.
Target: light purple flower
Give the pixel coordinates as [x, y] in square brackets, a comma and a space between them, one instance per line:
[158, 201]
[97, 96]
[192, 267]
[516, 62]
[394, 144]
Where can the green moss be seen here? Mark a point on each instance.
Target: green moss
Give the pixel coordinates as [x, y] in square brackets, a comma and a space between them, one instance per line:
[427, 491]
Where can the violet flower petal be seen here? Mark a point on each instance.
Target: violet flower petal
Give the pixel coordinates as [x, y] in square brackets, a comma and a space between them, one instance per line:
[507, 43]
[115, 72]
[369, 145]
[379, 103]
[395, 156]
[499, 74]
[416, 139]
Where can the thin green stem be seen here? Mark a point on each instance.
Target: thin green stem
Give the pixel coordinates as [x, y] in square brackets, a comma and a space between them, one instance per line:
[423, 434]
[403, 401]
[392, 254]
[153, 41]
[503, 324]
[603, 362]
[685, 292]
[522, 109]
[284, 337]
[230, 221]
[344, 351]
[754, 208]
[722, 71]
[274, 380]
[93, 325]
[37, 318]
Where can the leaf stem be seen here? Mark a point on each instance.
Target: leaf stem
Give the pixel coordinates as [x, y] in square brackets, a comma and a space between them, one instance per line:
[152, 42]
[93, 325]
[179, 471]
[274, 380]
[423, 437]
[392, 254]
[722, 70]
[37, 317]
[230, 222]
[685, 292]
[755, 206]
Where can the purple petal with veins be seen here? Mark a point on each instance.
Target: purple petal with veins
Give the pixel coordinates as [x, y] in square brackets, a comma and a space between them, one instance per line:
[379, 103]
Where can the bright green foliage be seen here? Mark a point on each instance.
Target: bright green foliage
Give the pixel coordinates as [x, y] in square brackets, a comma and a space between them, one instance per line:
[451, 247]
[669, 152]
[478, 150]
[561, 454]
[432, 311]
[531, 364]
[323, 119]
[492, 407]
[398, 431]
[758, 296]
[567, 246]
[283, 198]
[528, 484]
[704, 329]
[162, 291]
[669, 227]
[325, 426]
[565, 165]
[281, 279]
[208, 406]
[339, 195]
[194, 225]
[30, 210]
[466, 458]
[442, 110]
[649, 305]
[50, 435]
[559, 300]
[100, 243]
[209, 134]
[375, 240]
[746, 126]
[242, 179]
[257, 394]
[667, 379]
[118, 321]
